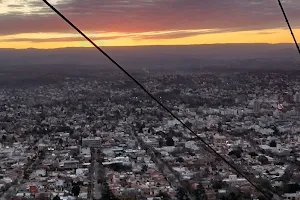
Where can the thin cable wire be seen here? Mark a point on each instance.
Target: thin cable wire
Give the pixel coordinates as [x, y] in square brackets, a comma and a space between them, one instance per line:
[155, 99]
[289, 25]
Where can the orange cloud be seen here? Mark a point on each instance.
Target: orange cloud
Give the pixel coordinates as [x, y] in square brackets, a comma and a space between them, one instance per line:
[31, 24]
[139, 39]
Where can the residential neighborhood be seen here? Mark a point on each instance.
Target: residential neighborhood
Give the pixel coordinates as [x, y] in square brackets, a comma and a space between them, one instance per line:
[91, 139]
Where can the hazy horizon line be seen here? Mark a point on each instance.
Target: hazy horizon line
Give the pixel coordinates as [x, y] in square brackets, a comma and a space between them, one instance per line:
[139, 46]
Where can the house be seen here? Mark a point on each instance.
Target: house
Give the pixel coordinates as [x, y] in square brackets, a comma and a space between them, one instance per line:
[69, 164]
[219, 140]
[291, 196]
[91, 142]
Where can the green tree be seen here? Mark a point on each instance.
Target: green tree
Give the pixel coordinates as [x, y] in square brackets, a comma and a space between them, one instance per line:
[291, 188]
[220, 130]
[287, 176]
[107, 193]
[180, 159]
[56, 198]
[188, 124]
[169, 141]
[218, 184]
[160, 142]
[236, 152]
[200, 193]
[273, 143]
[253, 154]
[164, 196]
[144, 168]
[60, 141]
[261, 197]
[263, 159]
[4, 138]
[276, 131]
[181, 194]
[41, 154]
[76, 190]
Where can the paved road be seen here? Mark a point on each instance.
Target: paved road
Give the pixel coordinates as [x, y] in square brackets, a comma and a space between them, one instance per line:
[97, 187]
[174, 179]
[97, 173]
[8, 194]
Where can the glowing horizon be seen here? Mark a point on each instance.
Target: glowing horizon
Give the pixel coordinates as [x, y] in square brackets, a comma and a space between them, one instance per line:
[31, 24]
[49, 40]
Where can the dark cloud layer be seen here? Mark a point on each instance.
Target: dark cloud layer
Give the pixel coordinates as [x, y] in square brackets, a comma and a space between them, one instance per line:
[68, 39]
[153, 15]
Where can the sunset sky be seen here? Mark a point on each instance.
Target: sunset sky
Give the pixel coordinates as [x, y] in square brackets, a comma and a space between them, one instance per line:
[31, 24]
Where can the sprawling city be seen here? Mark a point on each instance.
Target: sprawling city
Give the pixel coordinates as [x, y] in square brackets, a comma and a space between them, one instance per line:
[149, 100]
[104, 138]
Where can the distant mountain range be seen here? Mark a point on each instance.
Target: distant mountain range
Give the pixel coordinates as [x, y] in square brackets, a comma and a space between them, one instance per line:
[156, 56]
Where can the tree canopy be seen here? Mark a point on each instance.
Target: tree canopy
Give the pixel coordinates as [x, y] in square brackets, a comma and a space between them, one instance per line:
[200, 193]
[273, 143]
[56, 198]
[76, 190]
[181, 194]
[170, 141]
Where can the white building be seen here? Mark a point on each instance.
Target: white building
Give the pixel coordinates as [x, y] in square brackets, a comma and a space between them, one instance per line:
[234, 180]
[91, 142]
[297, 97]
[292, 196]
[69, 164]
[191, 145]
[219, 140]
[256, 106]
